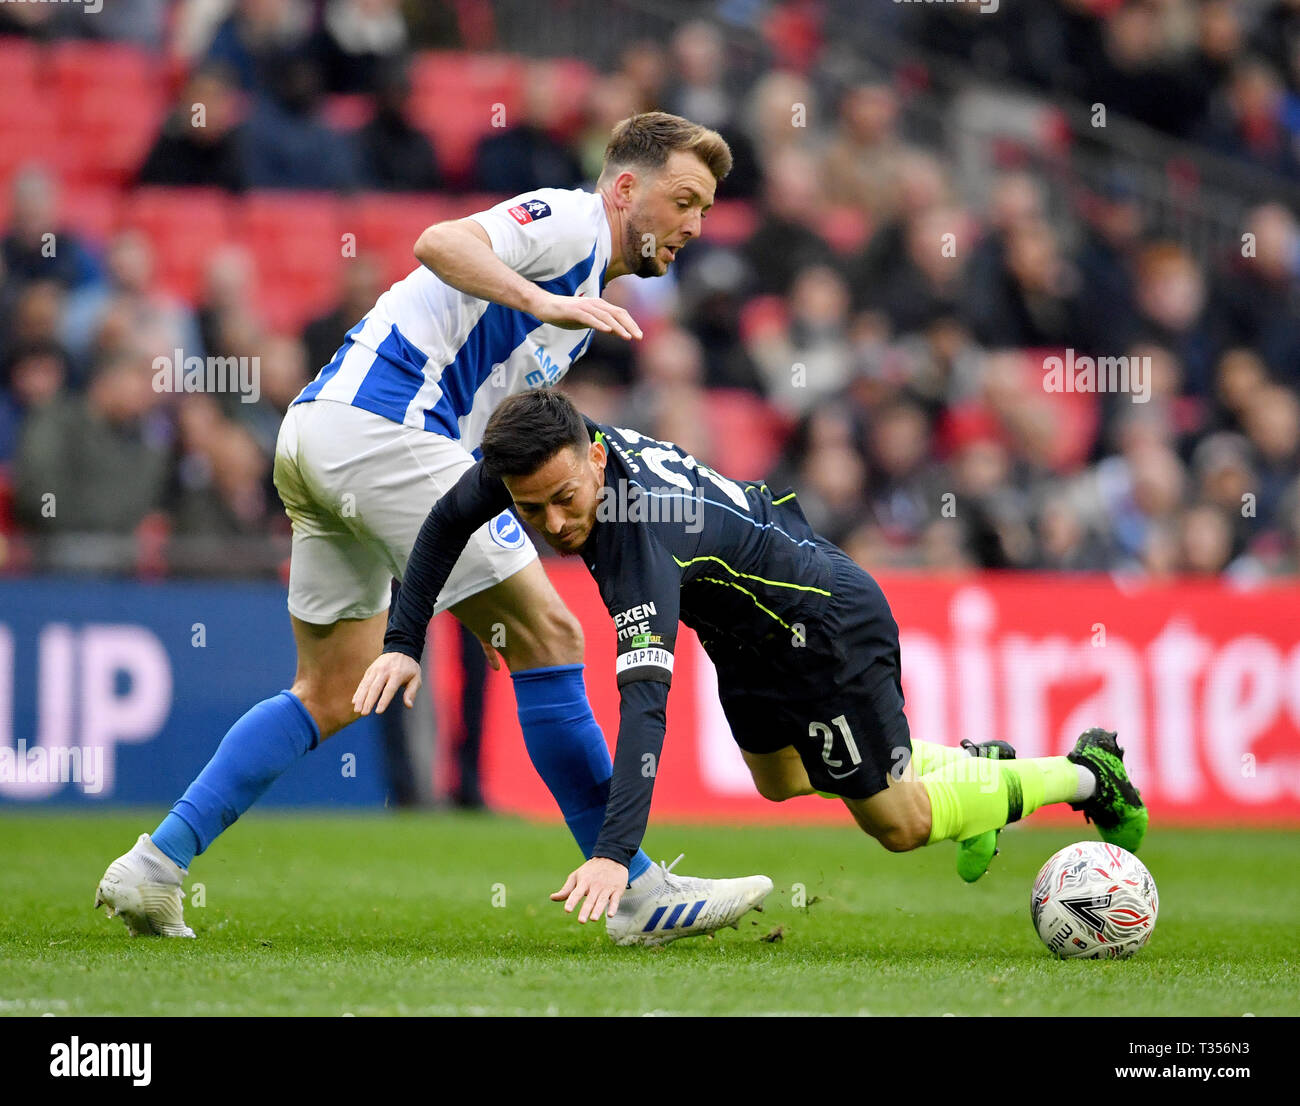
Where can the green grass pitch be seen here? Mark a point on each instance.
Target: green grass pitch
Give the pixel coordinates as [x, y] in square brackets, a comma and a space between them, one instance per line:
[394, 914]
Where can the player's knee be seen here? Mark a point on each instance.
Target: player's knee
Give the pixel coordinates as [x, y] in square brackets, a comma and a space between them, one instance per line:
[901, 838]
[774, 791]
[555, 638]
[329, 708]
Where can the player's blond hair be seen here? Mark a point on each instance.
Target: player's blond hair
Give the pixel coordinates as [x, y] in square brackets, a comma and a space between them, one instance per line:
[647, 139]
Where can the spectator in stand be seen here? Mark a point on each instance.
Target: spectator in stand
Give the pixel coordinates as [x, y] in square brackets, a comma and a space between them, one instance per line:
[779, 114]
[994, 509]
[256, 37]
[699, 92]
[527, 155]
[711, 305]
[1064, 542]
[101, 455]
[1283, 556]
[1272, 423]
[1221, 468]
[33, 375]
[810, 359]
[199, 145]
[159, 325]
[1219, 43]
[358, 41]
[395, 156]
[1277, 38]
[1205, 540]
[1171, 301]
[669, 397]
[1258, 296]
[37, 245]
[609, 99]
[1247, 120]
[922, 186]
[283, 373]
[222, 474]
[288, 144]
[359, 287]
[906, 481]
[229, 290]
[1107, 266]
[862, 161]
[1034, 302]
[1137, 498]
[645, 65]
[787, 239]
[825, 463]
[35, 316]
[1133, 75]
[1016, 197]
[927, 283]
[1240, 374]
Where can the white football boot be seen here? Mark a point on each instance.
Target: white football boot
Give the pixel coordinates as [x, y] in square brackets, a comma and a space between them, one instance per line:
[143, 888]
[682, 906]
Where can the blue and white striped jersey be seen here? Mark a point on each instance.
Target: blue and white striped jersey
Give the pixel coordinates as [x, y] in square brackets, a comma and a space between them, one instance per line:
[431, 357]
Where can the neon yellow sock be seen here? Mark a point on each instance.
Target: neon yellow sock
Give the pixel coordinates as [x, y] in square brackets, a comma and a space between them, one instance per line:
[972, 797]
[928, 757]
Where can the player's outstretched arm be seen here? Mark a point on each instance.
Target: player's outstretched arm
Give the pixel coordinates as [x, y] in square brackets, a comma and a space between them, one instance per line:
[603, 878]
[460, 253]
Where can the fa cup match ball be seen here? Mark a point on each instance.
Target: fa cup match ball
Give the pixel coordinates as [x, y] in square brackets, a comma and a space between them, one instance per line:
[1094, 901]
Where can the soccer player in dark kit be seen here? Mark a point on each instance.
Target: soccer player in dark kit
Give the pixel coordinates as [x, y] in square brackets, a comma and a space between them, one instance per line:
[803, 640]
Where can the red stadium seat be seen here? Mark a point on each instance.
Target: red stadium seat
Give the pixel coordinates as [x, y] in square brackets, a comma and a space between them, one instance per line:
[454, 101]
[573, 80]
[845, 228]
[455, 126]
[482, 80]
[77, 67]
[20, 61]
[92, 211]
[297, 241]
[731, 222]
[348, 112]
[184, 225]
[29, 133]
[110, 101]
[748, 433]
[113, 140]
[388, 225]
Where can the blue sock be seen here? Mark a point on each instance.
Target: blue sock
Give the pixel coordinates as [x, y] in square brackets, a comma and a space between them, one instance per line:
[568, 750]
[256, 750]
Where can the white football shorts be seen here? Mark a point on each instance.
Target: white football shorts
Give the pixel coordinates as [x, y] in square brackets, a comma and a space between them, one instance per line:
[357, 488]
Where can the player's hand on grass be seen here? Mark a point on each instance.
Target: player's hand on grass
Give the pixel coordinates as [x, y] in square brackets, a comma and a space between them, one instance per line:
[384, 679]
[600, 881]
[579, 312]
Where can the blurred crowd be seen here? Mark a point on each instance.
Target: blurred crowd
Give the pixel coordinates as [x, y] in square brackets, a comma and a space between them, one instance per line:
[851, 323]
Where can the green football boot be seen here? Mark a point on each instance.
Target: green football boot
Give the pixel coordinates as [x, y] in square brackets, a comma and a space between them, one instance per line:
[1115, 808]
[975, 853]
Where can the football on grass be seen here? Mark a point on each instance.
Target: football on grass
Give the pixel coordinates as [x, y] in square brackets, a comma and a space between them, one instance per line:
[1094, 901]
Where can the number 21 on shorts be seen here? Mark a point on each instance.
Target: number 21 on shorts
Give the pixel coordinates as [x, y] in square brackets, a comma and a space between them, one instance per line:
[827, 736]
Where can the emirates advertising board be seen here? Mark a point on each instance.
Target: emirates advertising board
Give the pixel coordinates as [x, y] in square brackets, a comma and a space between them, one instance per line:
[1200, 679]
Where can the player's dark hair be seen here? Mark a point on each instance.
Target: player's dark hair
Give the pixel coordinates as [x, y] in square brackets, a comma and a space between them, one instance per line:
[647, 139]
[528, 429]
